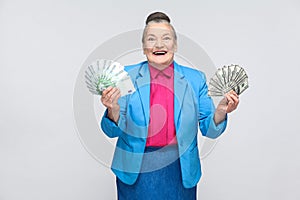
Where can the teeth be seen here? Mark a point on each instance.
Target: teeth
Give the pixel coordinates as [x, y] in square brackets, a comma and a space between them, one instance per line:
[159, 53]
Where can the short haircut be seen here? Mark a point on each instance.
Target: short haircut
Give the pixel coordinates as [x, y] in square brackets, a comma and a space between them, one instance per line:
[158, 17]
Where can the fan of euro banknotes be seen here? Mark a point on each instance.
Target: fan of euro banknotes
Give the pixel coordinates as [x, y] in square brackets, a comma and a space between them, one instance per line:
[101, 74]
[228, 78]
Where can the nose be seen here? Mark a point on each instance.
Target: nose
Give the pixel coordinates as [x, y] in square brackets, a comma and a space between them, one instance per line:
[159, 44]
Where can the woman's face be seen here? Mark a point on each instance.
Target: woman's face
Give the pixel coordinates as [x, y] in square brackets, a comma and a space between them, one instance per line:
[159, 45]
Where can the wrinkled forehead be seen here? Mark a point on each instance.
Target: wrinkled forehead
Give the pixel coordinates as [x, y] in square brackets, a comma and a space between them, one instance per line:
[159, 29]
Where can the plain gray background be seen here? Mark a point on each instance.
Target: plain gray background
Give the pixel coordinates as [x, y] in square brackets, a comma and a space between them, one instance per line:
[44, 43]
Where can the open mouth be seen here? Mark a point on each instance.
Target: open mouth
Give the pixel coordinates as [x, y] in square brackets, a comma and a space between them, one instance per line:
[159, 53]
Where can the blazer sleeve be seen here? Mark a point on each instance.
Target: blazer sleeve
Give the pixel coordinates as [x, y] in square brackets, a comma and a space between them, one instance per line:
[206, 113]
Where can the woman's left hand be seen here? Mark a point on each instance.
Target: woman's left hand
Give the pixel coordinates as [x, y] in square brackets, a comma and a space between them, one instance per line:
[228, 104]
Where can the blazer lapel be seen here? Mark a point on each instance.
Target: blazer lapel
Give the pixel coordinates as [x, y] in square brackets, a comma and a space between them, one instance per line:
[180, 86]
[143, 85]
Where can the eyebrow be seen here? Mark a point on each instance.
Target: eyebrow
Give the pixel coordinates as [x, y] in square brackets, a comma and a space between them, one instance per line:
[166, 34]
[151, 35]
[162, 35]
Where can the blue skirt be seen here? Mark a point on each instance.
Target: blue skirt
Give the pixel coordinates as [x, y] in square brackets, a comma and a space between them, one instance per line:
[160, 178]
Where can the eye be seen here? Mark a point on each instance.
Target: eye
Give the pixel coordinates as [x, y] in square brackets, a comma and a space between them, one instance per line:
[167, 38]
[150, 39]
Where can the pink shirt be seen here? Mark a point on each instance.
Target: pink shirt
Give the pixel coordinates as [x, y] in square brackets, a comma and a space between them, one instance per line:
[161, 130]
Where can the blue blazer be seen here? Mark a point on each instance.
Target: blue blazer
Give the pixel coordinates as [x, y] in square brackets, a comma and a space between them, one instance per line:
[192, 107]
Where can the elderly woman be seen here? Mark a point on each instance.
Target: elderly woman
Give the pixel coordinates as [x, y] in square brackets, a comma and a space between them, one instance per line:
[157, 154]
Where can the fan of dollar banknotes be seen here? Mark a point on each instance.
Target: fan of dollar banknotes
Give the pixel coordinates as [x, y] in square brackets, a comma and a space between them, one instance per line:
[101, 74]
[228, 78]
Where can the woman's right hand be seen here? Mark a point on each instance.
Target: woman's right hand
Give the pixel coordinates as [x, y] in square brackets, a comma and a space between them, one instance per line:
[109, 99]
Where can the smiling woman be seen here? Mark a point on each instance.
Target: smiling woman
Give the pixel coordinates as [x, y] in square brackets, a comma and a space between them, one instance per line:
[157, 153]
[159, 41]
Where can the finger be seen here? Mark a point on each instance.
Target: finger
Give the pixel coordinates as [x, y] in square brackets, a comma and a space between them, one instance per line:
[115, 96]
[229, 99]
[111, 93]
[105, 97]
[230, 107]
[106, 91]
[232, 104]
[234, 98]
[104, 101]
[234, 93]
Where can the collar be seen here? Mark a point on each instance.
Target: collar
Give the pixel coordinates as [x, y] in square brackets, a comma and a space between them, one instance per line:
[167, 72]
